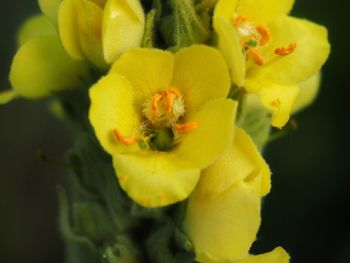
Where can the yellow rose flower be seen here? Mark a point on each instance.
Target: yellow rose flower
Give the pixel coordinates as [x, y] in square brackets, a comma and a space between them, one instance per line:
[41, 66]
[223, 212]
[163, 118]
[269, 52]
[100, 30]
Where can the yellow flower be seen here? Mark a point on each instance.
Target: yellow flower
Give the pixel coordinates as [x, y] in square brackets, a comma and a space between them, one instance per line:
[100, 30]
[163, 118]
[269, 52]
[223, 212]
[41, 66]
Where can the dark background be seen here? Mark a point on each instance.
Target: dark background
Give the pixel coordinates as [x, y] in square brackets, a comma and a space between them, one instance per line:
[306, 212]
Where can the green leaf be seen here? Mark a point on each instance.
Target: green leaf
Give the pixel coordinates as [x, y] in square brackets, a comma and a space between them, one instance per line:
[79, 249]
[91, 220]
[94, 178]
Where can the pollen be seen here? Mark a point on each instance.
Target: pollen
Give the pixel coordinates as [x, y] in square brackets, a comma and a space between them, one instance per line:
[282, 51]
[186, 127]
[238, 21]
[265, 35]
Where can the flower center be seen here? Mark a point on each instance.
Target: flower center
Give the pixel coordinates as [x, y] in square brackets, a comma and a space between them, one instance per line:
[253, 37]
[162, 128]
[165, 108]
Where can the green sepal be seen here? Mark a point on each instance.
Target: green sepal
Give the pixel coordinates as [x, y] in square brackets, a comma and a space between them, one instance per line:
[255, 120]
[122, 251]
[148, 36]
[91, 220]
[183, 27]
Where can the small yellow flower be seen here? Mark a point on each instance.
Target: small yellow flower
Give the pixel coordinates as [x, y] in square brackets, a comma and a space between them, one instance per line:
[269, 52]
[223, 212]
[100, 30]
[41, 66]
[163, 118]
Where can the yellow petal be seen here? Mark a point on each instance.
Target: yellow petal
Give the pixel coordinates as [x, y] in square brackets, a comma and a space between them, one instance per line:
[35, 26]
[230, 46]
[214, 133]
[311, 52]
[154, 179]
[279, 99]
[278, 255]
[123, 27]
[50, 8]
[240, 162]
[7, 96]
[259, 11]
[226, 9]
[224, 227]
[201, 74]
[149, 71]
[41, 66]
[308, 92]
[262, 11]
[112, 107]
[68, 28]
[89, 19]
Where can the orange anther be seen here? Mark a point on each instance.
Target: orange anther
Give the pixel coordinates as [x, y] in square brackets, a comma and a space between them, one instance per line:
[169, 103]
[155, 100]
[120, 137]
[186, 127]
[265, 35]
[282, 51]
[276, 103]
[170, 95]
[175, 91]
[239, 21]
[254, 54]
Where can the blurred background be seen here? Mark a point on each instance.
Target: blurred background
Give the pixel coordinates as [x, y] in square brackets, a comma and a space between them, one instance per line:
[306, 212]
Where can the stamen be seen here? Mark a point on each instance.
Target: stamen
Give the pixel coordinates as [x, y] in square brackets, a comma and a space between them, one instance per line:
[239, 21]
[186, 127]
[265, 35]
[155, 101]
[124, 140]
[282, 51]
[254, 54]
[175, 91]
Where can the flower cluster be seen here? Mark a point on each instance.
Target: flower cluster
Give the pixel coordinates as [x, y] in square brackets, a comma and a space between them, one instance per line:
[167, 106]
